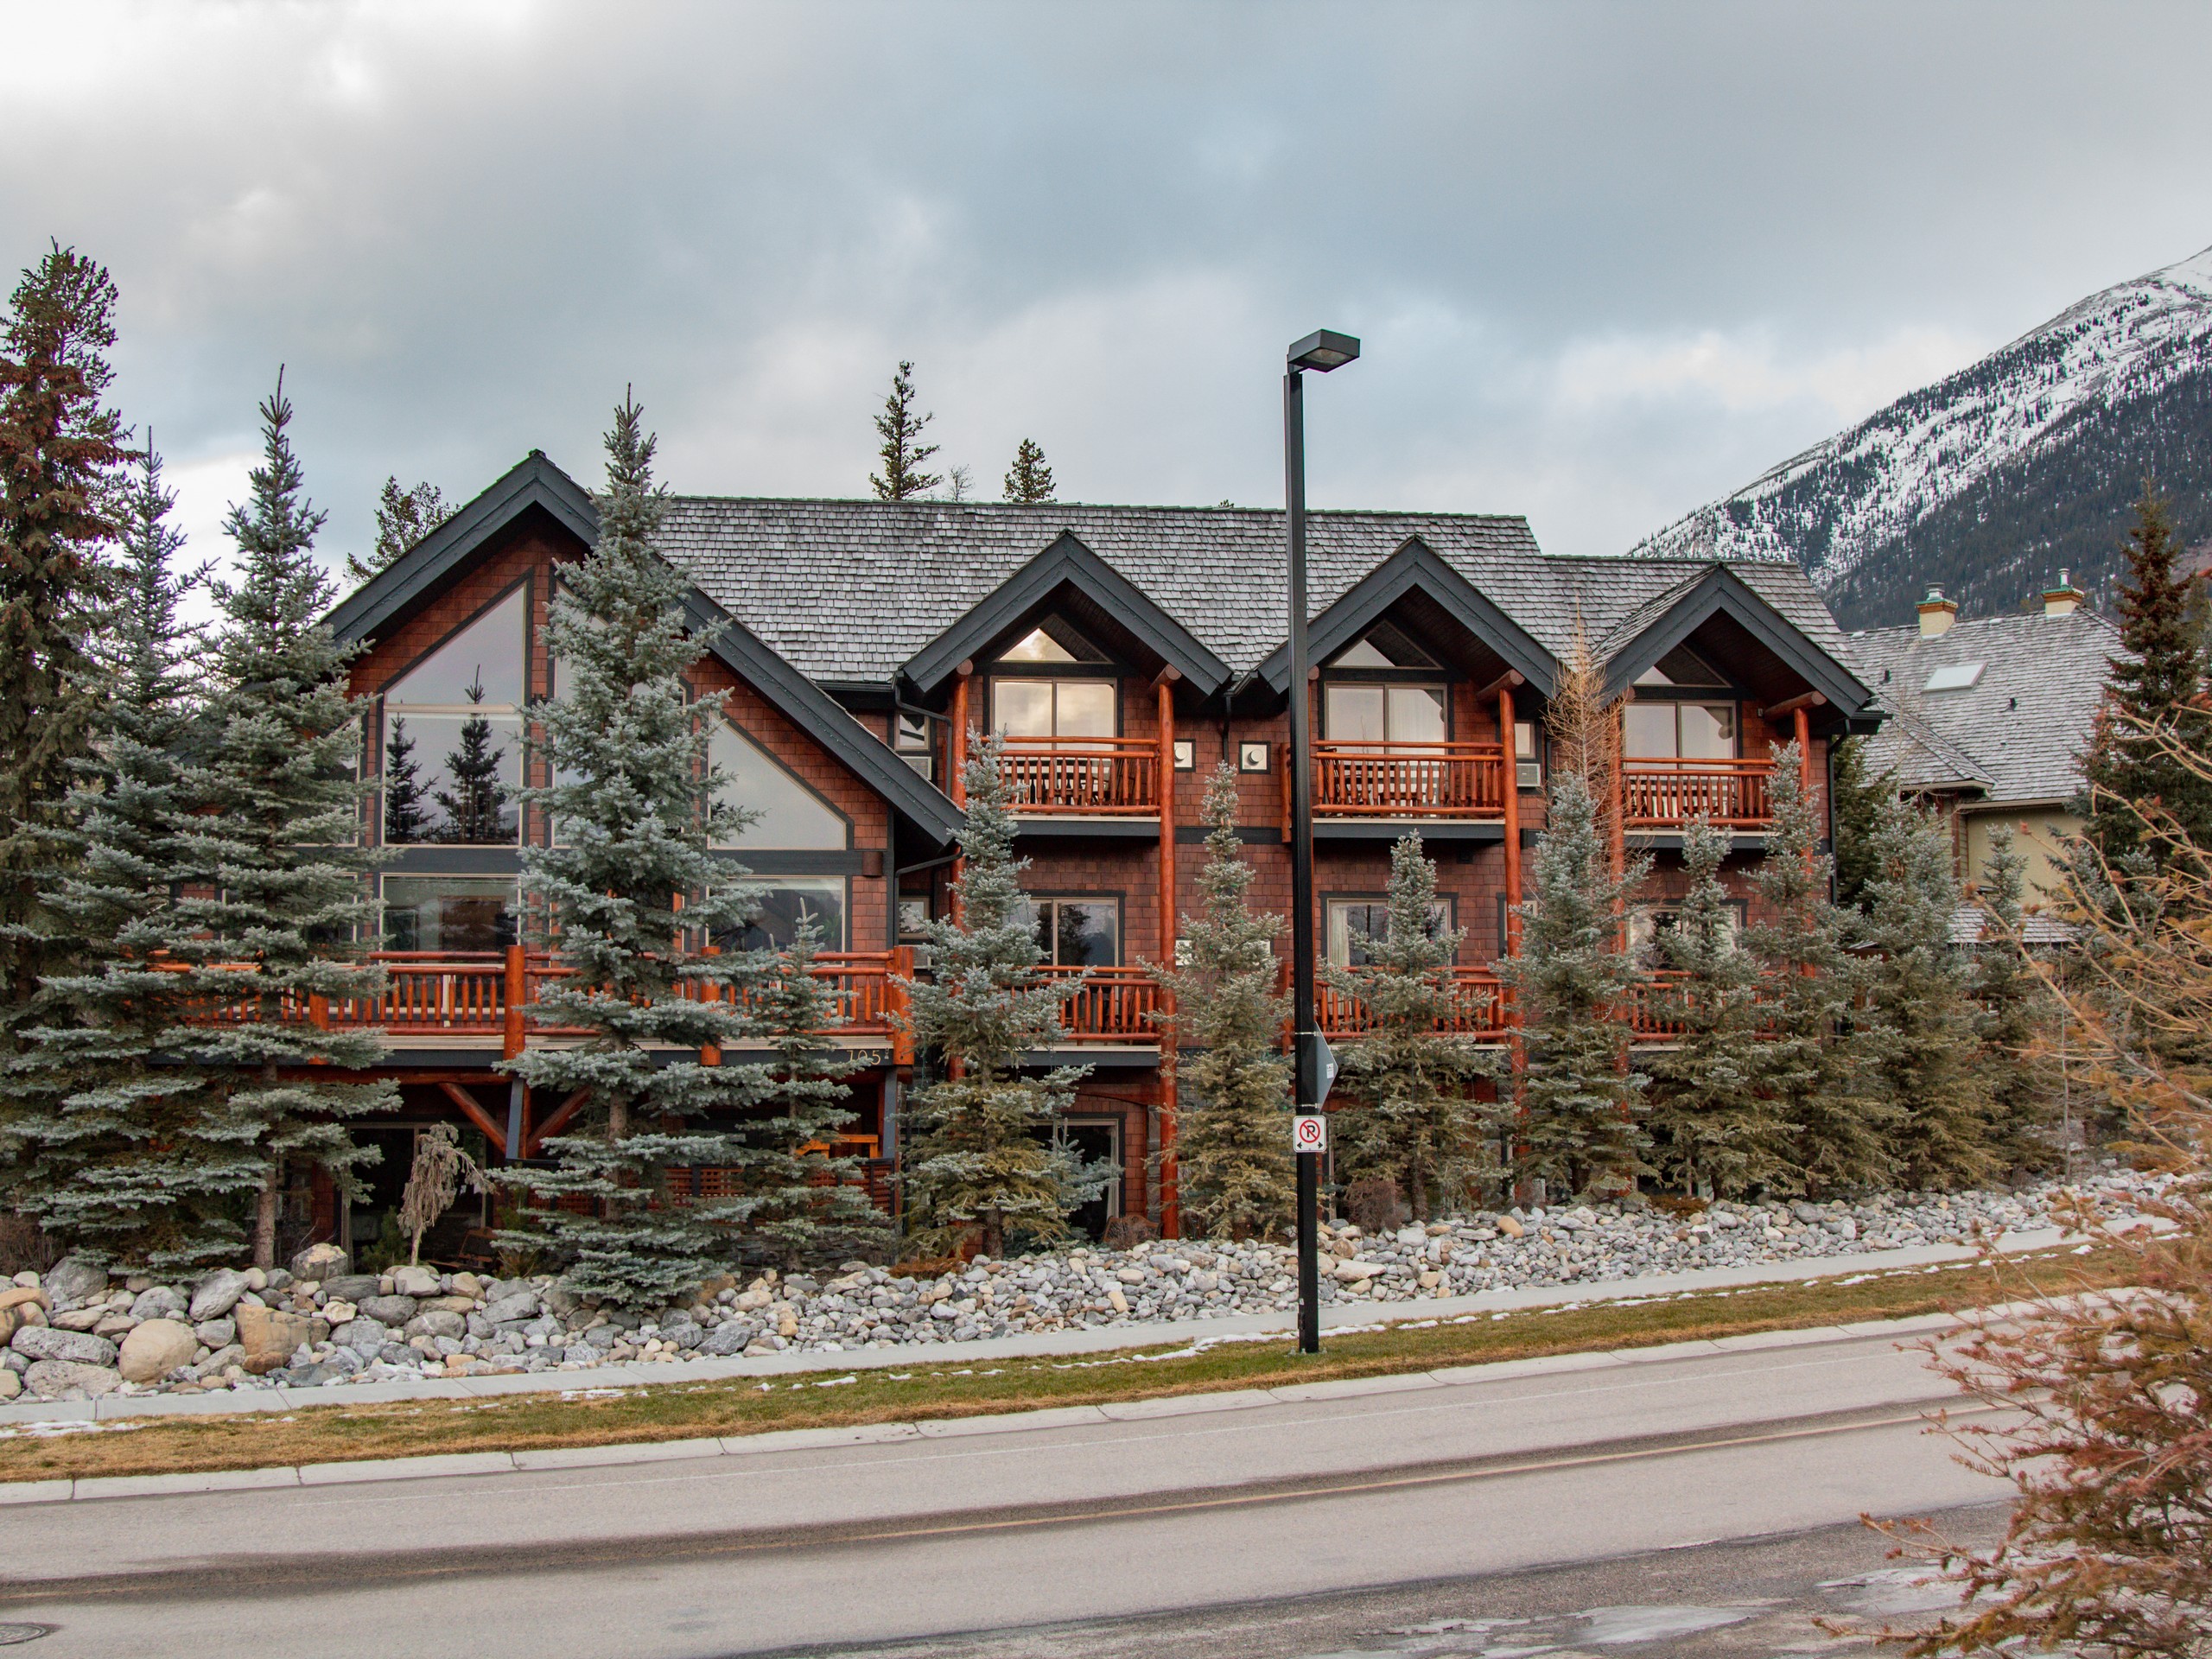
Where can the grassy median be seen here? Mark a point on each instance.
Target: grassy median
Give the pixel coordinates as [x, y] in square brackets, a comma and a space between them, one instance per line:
[936, 1383]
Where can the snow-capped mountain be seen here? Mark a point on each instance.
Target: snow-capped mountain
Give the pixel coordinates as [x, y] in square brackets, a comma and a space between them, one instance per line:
[1995, 477]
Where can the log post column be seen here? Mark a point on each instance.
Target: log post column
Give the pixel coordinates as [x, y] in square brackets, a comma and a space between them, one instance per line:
[1171, 1204]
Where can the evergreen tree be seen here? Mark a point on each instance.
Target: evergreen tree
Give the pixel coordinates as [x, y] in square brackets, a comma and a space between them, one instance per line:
[2156, 688]
[1716, 1129]
[904, 454]
[982, 1162]
[2016, 1013]
[1232, 1121]
[121, 1155]
[276, 834]
[60, 456]
[637, 800]
[476, 806]
[1029, 480]
[403, 518]
[1861, 803]
[405, 818]
[1838, 1132]
[1411, 1117]
[796, 1200]
[1921, 1050]
[1578, 1101]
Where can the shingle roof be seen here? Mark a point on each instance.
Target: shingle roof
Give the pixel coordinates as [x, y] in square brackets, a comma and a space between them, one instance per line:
[2023, 724]
[848, 590]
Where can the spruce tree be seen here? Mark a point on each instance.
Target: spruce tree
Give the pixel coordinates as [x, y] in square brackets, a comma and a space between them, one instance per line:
[1839, 1131]
[796, 1200]
[476, 806]
[903, 453]
[60, 453]
[1920, 1046]
[1861, 803]
[2153, 692]
[1410, 1117]
[403, 518]
[1234, 1173]
[1029, 480]
[637, 800]
[1578, 1102]
[984, 1162]
[1716, 1129]
[276, 834]
[2015, 1013]
[405, 818]
[121, 1155]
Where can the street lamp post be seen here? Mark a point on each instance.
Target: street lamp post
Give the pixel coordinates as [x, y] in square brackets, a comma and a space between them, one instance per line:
[1320, 351]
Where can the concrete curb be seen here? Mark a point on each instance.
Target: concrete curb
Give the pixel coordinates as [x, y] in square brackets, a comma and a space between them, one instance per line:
[801, 1439]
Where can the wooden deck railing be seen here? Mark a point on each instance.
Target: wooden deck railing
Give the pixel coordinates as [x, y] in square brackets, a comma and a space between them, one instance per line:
[1479, 1003]
[1084, 775]
[1409, 781]
[1665, 794]
[1114, 1005]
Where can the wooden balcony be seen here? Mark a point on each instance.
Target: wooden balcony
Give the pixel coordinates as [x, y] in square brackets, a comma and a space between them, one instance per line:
[1116, 777]
[1112, 1005]
[1479, 1009]
[1667, 794]
[1409, 781]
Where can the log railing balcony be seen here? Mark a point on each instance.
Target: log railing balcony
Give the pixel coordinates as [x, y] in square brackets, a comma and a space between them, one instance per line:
[1479, 1004]
[1409, 781]
[1667, 794]
[1085, 776]
[1111, 1005]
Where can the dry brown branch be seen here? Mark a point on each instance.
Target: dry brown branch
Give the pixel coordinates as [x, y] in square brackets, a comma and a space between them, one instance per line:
[1584, 725]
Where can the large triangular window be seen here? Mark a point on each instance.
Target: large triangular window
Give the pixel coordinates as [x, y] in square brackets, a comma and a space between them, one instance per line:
[786, 815]
[451, 749]
[1053, 641]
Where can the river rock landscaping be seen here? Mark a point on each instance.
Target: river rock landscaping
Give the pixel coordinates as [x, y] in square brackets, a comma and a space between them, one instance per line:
[73, 1333]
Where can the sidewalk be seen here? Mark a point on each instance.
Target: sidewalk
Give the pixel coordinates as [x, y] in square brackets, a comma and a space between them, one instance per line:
[1346, 1312]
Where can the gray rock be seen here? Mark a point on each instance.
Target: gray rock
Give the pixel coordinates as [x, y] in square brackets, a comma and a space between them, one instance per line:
[70, 1280]
[57, 1379]
[392, 1310]
[220, 1360]
[443, 1322]
[218, 1293]
[158, 1302]
[363, 1335]
[415, 1281]
[603, 1336]
[322, 1263]
[37, 1342]
[521, 1305]
[727, 1339]
[350, 1286]
[217, 1333]
[559, 1302]
[685, 1333]
[582, 1353]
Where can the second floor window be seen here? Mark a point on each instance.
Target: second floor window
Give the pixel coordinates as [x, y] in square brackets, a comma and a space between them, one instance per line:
[1078, 932]
[1353, 923]
[453, 736]
[1382, 714]
[1682, 731]
[1029, 700]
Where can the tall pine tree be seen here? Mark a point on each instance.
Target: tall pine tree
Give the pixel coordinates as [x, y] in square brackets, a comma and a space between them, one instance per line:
[2155, 690]
[1716, 1129]
[903, 453]
[275, 837]
[638, 802]
[1861, 803]
[1411, 1115]
[984, 1162]
[60, 453]
[2016, 1015]
[403, 518]
[128, 1156]
[1838, 1131]
[476, 806]
[1921, 1049]
[1029, 480]
[1232, 1119]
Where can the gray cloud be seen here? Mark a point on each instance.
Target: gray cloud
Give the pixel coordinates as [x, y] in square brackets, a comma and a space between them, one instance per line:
[1609, 261]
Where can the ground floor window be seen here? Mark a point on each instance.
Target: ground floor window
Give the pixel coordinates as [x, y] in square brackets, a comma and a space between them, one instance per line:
[448, 913]
[1078, 932]
[788, 900]
[1354, 921]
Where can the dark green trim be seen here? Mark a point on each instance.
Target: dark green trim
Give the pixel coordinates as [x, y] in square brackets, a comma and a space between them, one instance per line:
[1721, 591]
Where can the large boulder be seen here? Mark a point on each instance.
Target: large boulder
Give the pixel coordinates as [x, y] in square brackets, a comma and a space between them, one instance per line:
[728, 1338]
[364, 1335]
[154, 1348]
[159, 1302]
[322, 1263]
[507, 1309]
[217, 1333]
[270, 1338]
[416, 1281]
[57, 1379]
[351, 1287]
[392, 1310]
[70, 1280]
[218, 1293]
[439, 1322]
[50, 1342]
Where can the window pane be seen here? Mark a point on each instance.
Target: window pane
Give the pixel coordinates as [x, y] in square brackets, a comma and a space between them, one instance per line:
[1038, 646]
[1351, 923]
[450, 780]
[1086, 708]
[787, 816]
[1709, 731]
[1022, 708]
[1650, 734]
[1354, 714]
[487, 653]
[448, 912]
[784, 902]
[1416, 714]
[1038, 918]
[1089, 933]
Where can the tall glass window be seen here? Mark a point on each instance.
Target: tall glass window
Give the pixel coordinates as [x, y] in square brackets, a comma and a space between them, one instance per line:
[453, 736]
[1076, 932]
[1682, 731]
[786, 814]
[448, 913]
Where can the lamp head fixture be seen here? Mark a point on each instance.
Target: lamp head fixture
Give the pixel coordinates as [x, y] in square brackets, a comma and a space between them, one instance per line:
[1323, 350]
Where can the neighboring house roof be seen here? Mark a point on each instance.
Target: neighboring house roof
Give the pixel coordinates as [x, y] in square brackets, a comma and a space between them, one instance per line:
[2018, 730]
[1970, 923]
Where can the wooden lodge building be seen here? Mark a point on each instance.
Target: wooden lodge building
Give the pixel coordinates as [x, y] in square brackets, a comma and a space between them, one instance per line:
[1125, 652]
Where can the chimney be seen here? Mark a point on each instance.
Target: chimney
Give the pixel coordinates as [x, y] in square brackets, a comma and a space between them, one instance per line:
[1936, 614]
[2063, 599]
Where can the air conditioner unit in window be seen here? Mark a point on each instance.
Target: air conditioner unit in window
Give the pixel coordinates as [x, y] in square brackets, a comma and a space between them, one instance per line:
[1528, 774]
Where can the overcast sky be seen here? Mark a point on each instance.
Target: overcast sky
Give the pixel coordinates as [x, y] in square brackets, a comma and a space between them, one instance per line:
[1608, 262]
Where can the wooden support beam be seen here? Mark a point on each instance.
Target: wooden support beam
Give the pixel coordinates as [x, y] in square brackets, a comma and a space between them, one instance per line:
[558, 1119]
[1797, 705]
[956, 762]
[494, 1132]
[1505, 692]
[1511, 680]
[1171, 1207]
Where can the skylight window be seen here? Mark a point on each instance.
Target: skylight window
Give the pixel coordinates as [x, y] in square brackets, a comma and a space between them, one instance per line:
[1958, 677]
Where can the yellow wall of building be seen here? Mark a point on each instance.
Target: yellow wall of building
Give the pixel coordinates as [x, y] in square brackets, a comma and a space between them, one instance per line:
[2038, 834]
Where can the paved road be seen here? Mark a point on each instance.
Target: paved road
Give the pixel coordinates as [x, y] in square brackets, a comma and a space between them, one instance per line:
[958, 1532]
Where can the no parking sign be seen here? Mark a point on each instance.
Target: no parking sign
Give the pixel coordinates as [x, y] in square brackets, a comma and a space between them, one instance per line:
[1309, 1132]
